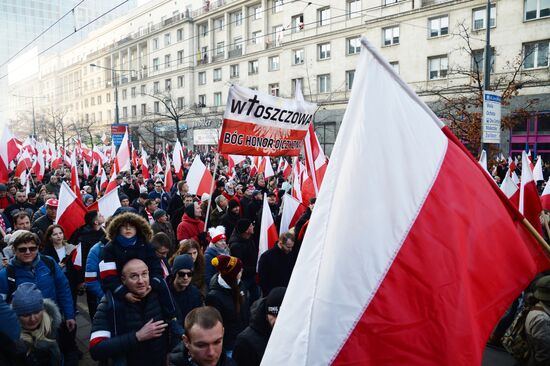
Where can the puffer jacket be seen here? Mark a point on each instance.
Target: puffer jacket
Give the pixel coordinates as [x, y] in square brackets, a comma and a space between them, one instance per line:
[114, 330]
[251, 342]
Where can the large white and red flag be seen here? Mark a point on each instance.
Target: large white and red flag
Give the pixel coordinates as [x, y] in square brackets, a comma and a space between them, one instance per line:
[70, 211]
[112, 180]
[23, 163]
[199, 177]
[284, 167]
[529, 200]
[232, 162]
[510, 189]
[9, 149]
[260, 124]
[297, 180]
[292, 210]
[545, 197]
[106, 205]
[168, 180]
[268, 230]
[427, 274]
[144, 164]
[177, 159]
[39, 165]
[537, 170]
[122, 161]
[265, 167]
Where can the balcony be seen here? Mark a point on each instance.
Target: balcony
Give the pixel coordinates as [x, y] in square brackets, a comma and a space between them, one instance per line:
[235, 53]
[424, 3]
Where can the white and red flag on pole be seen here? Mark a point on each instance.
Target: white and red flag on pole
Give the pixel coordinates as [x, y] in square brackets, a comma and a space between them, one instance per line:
[268, 230]
[168, 180]
[177, 159]
[426, 278]
[199, 177]
[265, 167]
[232, 162]
[123, 155]
[510, 189]
[70, 210]
[483, 160]
[106, 205]
[292, 210]
[537, 170]
[112, 180]
[297, 181]
[24, 162]
[284, 167]
[85, 169]
[316, 165]
[144, 165]
[545, 197]
[158, 168]
[529, 200]
[75, 183]
[8, 151]
[39, 166]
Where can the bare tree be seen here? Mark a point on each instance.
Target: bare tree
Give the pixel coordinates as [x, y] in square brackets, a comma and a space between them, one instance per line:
[57, 129]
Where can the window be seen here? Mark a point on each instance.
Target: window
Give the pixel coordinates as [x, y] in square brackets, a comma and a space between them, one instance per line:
[479, 17]
[353, 45]
[273, 62]
[167, 39]
[181, 81]
[252, 67]
[277, 6]
[323, 16]
[124, 94]
[155, 43]
[166, 61]
[389, 2]
[535, 55]
[108, 97]
[156, 87]
[234, 71]
[297, 23]
[156, 107]
[293, 85]
[203, 29]
[143, 109]
[219, 23]
[168, 84]
[478, 61]
[391, 36]
[99, 99]
[323, 83]
[238, 43]
[353, 8]
[133, 92]
[256, 12]
[220, 46]
[179, 34]
[202, 77]
[350, 74]
[92, 101]
[217, 99]
[438, 26]
[143, 89]
[298, 57]
[395, 66]
[125, 112]
[277, 34]
[256, 37]
[437, 67]
[180, 57]
[323, 51]
[202, 100]
[217, 74]
[237, 18]
[181, 102]
[274, 89]
[535, 9]
[156, 64]
[134, 111]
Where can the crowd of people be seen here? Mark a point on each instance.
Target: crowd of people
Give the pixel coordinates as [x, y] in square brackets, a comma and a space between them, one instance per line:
[170, 278]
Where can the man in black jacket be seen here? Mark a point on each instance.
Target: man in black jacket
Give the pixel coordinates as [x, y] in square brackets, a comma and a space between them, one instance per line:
[251, 342]
[276, 264]
[243, 247]
[133, 333]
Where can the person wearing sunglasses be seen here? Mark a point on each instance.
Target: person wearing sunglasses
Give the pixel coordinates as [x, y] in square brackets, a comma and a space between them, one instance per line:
[186, 295]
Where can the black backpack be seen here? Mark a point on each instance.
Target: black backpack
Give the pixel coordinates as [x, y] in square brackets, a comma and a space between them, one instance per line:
[10, 274]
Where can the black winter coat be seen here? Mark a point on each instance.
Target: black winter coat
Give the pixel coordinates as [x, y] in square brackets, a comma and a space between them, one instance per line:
[275, 268]
[233, 323]
[180, 357]
[251, 342]
[246, 251]
[229, 221]
[123, 319]
[87, 237]
[185, 300]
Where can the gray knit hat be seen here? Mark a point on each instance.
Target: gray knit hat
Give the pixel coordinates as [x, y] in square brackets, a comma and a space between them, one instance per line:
[183, 261]
[27, 299]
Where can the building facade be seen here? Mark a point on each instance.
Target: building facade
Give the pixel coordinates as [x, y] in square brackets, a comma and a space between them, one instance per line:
[180, 57]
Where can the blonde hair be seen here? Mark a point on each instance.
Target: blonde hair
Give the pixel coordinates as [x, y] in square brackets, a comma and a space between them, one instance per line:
[42, 333]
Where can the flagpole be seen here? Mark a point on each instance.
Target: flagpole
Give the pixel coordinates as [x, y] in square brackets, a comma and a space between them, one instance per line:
[292, 174]
[216, 158]
[537, 235]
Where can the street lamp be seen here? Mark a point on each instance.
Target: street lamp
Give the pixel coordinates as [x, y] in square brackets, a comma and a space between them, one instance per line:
[115, 83]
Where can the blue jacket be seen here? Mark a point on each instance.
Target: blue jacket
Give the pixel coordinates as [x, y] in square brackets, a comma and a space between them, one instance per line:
[54, 287]
[92, 279]
[209, 270]
[9, 324]
[164, 198]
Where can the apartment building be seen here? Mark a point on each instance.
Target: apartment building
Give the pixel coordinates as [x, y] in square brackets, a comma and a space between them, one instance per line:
[186, 54]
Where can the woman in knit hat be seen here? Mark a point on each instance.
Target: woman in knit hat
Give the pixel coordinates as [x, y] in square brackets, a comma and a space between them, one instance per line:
[227, 296]
[40, 320]
[191, 247]
[218, 245]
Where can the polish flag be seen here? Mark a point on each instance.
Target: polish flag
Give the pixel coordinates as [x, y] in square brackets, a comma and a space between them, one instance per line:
[512, 164]
[123, 156]
[177, 159]
[515, 178]
[255, 163]
[545, 197]
[297, 181]
[106, 205]
[39, 166]
[144, 165]
[103, 180]
[292, 210]
[75, 183]
[24, 163]
[85, 169]
[232, 162]
[426, 277]
[70, 212]
[8, 151]
[265, 167]
[112, 180]
[285, 168]
[268, 230]
[158, 168]
[199, 178]
[23, 177]
[316, 162]
[510, 189]
[483, 160]
[529, 200]
[76, 257]
[99, 336]
[537, 170]
[134, 158]
[168, 180]
[57, 160]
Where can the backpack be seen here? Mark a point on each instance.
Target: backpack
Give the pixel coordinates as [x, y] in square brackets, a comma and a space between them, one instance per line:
[10, 274]
[515, 338]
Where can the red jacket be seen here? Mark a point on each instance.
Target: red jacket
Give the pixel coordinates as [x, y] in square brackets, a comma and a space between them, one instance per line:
[189, 228]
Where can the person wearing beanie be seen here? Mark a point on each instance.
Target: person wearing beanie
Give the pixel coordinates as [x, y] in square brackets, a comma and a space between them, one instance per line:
[229, 298]
[40, 321]
[186, 295]
[162, 225]
[124, 200]
[219, 209]
[252, 342]
[191, 226]
[242, 246]
[537, 325]
[217, 246]
[88, 199]
[230, 218]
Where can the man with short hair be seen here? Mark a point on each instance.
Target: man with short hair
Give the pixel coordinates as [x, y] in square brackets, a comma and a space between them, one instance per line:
[139, 203]
[218, 211]
[20, 204]
[159, 195]
[54, 186]
[40, 226]
[131, 333]
[22, 221]
[176, 201]
[203, 340]
[276, 264]
[178, 214]
[151, 206]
